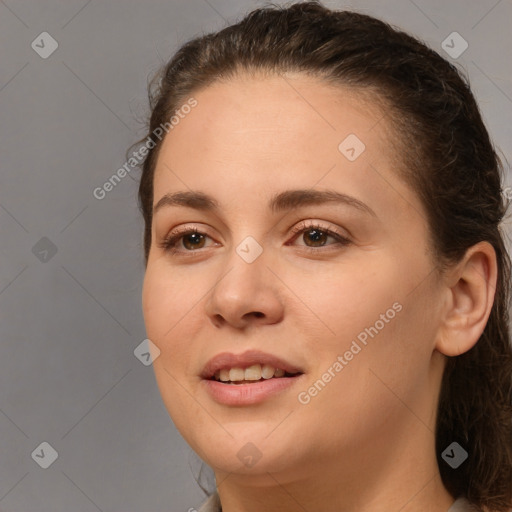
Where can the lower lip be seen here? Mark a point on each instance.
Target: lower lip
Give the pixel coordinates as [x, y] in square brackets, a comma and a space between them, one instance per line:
[248, 394]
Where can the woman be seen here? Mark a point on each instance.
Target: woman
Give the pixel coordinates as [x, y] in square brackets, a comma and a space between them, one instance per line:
[326, 279]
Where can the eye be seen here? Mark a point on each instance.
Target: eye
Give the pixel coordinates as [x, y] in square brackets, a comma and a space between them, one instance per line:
[317, 236]
[184, 240]
[314, 237]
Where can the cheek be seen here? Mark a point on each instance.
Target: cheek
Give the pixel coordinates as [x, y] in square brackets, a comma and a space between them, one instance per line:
[384, 371]
[168, 301]
[347, 298]
[367, 315]
[157, 305]
[168, 310]
[170, 306]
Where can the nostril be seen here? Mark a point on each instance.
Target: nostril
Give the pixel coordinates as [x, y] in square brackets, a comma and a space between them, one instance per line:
[218, 320]
[258, 314]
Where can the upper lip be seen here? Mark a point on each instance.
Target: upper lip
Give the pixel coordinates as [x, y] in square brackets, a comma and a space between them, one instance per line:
[248, 358]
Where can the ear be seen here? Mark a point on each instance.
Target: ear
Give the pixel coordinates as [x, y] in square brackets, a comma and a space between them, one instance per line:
[470, 287]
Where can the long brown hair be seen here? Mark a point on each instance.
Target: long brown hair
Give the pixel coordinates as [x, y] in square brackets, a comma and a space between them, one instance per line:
[447, 158]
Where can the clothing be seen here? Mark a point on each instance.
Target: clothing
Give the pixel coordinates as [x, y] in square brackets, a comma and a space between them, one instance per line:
[212, 504]
[463, 505]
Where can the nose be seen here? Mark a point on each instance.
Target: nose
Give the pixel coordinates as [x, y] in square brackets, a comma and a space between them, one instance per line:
[246, 294]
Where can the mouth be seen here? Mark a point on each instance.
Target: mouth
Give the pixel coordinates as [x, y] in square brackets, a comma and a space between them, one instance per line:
[248, 379]
[254, 373]
[248, 368]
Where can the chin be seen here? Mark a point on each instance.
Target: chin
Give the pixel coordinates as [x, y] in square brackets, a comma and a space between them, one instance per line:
[251, 456]
[258, 468]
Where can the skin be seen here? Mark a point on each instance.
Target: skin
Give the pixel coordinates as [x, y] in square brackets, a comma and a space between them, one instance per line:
[366, 441]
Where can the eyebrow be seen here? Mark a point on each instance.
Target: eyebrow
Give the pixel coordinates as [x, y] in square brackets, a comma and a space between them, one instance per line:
[282, 201]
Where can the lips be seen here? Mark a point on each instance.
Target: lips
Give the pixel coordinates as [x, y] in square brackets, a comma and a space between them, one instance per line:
[228, 360]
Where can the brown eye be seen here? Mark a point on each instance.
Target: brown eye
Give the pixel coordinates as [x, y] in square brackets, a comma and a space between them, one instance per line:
[186, 241]
[315, 237]
[194, 241]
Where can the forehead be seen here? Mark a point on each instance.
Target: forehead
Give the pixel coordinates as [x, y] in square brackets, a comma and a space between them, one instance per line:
[255, 134]
[273, 115]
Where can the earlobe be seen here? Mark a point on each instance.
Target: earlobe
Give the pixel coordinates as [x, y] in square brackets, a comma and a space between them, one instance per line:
[470, 289]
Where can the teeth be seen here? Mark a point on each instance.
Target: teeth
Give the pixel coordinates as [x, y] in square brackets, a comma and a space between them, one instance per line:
[236, 374]
[279, 373]
[267, 371]
[254, 372]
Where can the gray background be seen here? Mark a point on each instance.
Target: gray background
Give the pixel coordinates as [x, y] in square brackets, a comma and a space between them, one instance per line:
[71, 320]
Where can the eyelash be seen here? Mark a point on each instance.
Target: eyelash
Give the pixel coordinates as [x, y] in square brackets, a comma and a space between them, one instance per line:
[304, 227]
[171, 241]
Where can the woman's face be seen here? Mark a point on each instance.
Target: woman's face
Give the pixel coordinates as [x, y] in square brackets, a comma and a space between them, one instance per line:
[295, 237]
